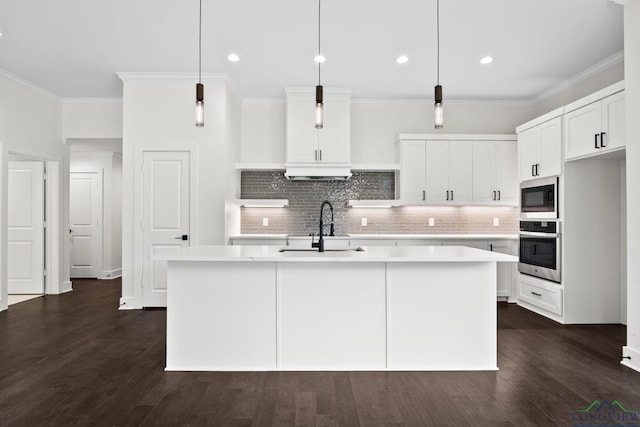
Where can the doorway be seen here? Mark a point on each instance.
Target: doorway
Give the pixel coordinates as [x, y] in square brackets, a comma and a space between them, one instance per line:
[85, 220]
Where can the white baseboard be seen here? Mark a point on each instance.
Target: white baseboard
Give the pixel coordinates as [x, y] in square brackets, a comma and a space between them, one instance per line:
[66, 287]
[634, 358]
[112, 274]
[127, 303]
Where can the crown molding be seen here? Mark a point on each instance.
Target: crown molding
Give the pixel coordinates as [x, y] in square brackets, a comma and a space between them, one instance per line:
[29, 84]
[128, 76]
[589, 72]
[620, 2]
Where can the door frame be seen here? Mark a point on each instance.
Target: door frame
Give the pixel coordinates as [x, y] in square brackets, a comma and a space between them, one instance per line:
[53, 244]
[138, 261]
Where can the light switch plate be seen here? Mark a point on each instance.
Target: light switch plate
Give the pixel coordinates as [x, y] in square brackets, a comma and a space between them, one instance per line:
[364, 221]
[265, 222]
[431, 222]
[496, 222]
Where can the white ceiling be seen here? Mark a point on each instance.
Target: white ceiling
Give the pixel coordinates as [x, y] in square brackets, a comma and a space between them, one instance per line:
[73, 48]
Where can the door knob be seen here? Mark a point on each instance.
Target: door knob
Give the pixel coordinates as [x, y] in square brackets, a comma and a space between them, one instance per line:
[183, 237]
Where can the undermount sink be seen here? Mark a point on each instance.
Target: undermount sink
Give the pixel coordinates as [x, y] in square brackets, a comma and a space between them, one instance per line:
[349, 249]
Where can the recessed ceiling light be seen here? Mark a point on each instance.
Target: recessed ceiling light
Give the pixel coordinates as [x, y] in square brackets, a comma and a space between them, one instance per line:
[486, 60]
[402, 59]
[233, 57]
[319, 58]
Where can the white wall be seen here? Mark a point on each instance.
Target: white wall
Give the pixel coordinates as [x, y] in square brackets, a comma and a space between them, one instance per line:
[632, 100]
[30, 124]
[100, 118]
[159, 113]
[375, 125]
[109, 166]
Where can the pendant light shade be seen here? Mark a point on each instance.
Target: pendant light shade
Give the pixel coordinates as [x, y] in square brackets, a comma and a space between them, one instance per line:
[439, 114]
[199, 85]
[319, 116]
[199, 105]
[438, 111]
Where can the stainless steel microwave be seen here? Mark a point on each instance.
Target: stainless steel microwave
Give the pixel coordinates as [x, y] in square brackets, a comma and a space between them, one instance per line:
[539, 198]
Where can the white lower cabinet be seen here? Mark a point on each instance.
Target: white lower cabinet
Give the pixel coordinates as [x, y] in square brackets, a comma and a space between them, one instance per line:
[540, 294]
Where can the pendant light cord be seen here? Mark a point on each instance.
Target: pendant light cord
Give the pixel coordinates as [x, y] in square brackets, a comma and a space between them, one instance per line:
[200, 44]
[438, 39]
[319, 54]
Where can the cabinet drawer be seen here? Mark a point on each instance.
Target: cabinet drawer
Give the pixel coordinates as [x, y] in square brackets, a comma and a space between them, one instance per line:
[547, 297]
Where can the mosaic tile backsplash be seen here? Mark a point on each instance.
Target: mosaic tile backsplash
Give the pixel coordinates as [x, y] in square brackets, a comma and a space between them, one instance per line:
[305, 197]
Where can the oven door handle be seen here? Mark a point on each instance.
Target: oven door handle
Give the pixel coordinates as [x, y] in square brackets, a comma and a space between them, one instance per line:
[537, 234]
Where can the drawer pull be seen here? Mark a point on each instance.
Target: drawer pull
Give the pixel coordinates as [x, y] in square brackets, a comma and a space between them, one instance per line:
[536, 294]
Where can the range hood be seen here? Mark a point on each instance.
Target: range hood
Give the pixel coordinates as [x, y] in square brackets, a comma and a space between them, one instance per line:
[324, 173]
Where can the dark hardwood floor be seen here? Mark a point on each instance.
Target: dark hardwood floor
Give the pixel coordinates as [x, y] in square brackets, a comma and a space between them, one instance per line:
[74, 359]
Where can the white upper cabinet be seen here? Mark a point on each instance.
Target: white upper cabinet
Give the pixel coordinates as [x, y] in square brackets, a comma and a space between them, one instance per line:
[540, 149]
[595, 128]
[495, 178]
[307, 145]
[452, 169]
[449, 172]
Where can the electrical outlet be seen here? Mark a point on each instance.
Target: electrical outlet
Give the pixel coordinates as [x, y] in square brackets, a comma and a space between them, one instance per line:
[496, 222]
[364, 221]
[265, 222]
[431, 222]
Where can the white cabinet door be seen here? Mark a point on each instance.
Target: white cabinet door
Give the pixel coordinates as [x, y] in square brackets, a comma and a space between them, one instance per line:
[596, 127]
[540, 150]
[506, 172]
[302, 143]
[528, 153]
[582, 130]
[484, 160]
[25, 233]
[412, 176]
[613, 121]
[308, 145]
[438, 170]
[333, 138]
[495, 172]
[460, 171]
[506, 270]
[550, 150]
[478, 244]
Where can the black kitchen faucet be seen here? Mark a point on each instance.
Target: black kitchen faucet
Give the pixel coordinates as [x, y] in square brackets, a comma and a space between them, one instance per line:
[320, 243]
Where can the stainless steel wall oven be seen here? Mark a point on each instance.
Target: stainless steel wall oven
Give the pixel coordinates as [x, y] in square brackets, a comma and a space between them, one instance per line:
[540, 249]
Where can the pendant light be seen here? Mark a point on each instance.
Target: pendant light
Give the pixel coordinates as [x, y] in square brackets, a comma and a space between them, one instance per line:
[199, 85]
[319, 107]
[438, 113]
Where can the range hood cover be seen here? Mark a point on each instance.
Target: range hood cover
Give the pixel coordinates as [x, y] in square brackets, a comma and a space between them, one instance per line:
[318, 173]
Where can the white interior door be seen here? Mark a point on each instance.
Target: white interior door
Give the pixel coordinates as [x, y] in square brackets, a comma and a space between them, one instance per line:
[85, 218]
[25, 256]
[165, 218]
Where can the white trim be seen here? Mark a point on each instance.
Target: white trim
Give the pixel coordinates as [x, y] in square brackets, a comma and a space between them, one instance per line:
[541, 119]
[29, 84]
[585, 74]
[92, 100]
[634, 361]
[456, 136]
[620, 2]
[373, 167]
[260, 166]
[595, 96]
[67, 286]
[263, 203]
[447, 101]
[110, 274]
[128, 76]
[127, 303]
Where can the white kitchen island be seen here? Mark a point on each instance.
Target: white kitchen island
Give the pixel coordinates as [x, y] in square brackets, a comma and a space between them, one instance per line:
[246, 308]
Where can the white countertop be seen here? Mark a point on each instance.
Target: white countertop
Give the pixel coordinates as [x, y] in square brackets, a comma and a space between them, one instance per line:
[385, 236]
[370, 254]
